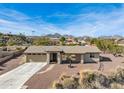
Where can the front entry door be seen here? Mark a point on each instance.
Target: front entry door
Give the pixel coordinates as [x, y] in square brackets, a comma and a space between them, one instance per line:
[55, 57]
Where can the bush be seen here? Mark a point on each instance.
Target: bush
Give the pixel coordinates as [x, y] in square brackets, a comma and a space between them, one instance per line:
[92, 80]
[107, 45]
[64, 76]
[116, 86]
[117, 76]
[18, 48]
[70, 83]
[86, 78]
[57, 85]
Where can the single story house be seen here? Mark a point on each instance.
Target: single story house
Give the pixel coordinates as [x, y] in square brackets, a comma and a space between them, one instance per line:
[59, 54]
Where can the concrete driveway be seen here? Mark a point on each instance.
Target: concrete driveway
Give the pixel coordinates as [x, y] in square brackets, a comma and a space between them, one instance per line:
[15, 78]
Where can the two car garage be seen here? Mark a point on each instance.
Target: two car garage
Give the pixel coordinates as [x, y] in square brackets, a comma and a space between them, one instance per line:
[36, 57]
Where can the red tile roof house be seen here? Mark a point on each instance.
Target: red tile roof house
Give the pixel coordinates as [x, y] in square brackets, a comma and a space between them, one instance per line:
[58, 54]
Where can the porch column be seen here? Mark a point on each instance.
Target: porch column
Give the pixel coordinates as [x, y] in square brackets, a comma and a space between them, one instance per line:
[26, 58]
[82, 58]
[59, 58]
[48, 58]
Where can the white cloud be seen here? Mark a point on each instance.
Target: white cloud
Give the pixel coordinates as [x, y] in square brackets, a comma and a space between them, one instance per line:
[13, 14]
[24, 24]
[93, 24]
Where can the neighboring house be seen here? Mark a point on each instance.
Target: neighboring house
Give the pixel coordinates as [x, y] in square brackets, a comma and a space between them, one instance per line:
[119, 42]
[55, 41]
[58, 54]
[71, 40]
[82, 42]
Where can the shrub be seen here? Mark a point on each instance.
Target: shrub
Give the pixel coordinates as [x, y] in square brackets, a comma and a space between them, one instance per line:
[18, 48]
[64, 76]
[117, 76]
[70, 83]
[93, 79]
[116, 86]
[85, 79]
[57, 85]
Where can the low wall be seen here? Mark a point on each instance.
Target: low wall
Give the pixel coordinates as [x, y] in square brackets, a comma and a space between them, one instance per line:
[11, 55]
[5, 53]
[2, 60]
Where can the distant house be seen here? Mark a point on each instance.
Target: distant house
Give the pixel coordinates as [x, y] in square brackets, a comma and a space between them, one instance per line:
[58, 54]
[82, 42]
[71, 40]
[55, 41]
[120, 42]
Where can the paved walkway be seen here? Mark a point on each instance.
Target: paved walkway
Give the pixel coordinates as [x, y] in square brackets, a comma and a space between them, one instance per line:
[15, 78]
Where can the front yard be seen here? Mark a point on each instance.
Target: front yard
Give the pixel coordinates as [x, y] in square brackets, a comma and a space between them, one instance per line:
[44, 80]
[44, 77]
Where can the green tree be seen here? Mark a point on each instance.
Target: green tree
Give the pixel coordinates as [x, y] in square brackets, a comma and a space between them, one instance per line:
[2, 44]
[62, 39]
[76, 39]
[11, 41]
[41, 41]
[107, 45]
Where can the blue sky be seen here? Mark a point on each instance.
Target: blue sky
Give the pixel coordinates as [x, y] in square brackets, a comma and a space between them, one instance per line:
[73, 19]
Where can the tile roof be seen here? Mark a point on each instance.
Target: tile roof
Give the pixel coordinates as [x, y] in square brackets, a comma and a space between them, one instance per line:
[65, 49]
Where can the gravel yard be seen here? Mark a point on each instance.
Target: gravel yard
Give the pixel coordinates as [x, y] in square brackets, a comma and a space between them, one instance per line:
[44, 80]
[11, 64]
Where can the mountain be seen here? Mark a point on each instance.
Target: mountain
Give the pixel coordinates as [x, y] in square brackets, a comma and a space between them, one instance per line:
[111, 37]
[57, 35]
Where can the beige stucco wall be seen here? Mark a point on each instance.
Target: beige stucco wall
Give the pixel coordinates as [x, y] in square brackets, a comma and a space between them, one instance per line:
[77, 57]
[43, 58]
[88, 59]
[36, 58]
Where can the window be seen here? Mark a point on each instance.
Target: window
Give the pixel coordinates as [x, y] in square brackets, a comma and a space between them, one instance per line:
[43, 54]
[92, 55]
[29, 54]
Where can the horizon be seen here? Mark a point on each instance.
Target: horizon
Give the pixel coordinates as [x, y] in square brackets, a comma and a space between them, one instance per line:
[72, 19]
[64, 35]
